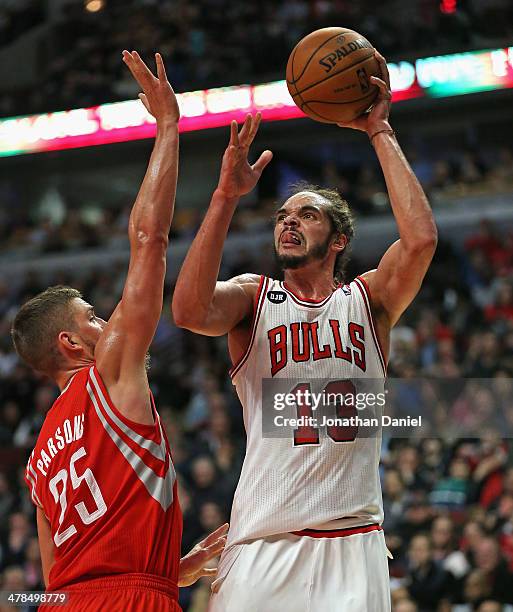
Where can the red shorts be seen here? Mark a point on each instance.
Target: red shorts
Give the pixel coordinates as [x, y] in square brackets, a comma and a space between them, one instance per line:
[122, 593]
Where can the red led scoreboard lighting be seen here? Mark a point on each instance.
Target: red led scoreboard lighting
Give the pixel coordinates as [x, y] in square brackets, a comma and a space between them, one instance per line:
[433, 77]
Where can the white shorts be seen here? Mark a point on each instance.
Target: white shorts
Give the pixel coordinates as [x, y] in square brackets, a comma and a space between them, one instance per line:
[305, 574]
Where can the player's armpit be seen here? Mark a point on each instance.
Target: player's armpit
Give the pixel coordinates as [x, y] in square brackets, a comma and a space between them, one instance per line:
[46, 545]
[398, 277]
[232, 302]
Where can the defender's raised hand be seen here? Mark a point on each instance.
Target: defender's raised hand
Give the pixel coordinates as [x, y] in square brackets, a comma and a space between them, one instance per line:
[376, 119]
[194, 565]
[237, 176]
[158, 97]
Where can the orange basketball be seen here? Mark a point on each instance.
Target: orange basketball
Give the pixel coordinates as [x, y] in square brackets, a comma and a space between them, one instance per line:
[328, 75]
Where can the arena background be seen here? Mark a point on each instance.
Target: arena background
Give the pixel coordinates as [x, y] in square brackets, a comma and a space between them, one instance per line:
[63, 219]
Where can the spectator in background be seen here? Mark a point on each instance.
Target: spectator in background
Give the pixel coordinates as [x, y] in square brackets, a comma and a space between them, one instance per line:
[205, 482]
[26, 433]
[7, 498]
[490, 606]
[429, 583]
[475, 590]
[17, 538]
[32, 566]
[13, 581]
[445, 549]
[489, 560]
[405, 605]
[451, 493]
[395, 498]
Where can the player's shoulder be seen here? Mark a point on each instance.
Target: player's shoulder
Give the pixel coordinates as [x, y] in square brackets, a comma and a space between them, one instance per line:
[248, 282]
[366, 277]
[363, 281]
[246, 279]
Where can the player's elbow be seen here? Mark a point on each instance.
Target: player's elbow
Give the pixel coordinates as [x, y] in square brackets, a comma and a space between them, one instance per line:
[184, 314]
[180, 318]
[149, 238]
[425, 243]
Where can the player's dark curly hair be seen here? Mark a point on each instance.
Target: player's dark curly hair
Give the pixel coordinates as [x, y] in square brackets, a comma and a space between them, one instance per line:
[341, 218]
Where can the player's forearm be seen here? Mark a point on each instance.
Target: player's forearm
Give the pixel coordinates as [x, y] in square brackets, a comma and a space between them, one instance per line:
[152, 213]
[410, 205]
[197, 280]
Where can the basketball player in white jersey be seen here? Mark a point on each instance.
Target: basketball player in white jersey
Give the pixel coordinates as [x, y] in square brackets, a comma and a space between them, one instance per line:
[305, 530]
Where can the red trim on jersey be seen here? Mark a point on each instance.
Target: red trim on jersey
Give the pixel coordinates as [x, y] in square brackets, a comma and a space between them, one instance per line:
[366, 295]
[305, 302]
[257, 310]
[337, 533]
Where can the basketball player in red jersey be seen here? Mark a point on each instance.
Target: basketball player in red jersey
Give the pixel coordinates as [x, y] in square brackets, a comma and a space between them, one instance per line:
[305, 531]
[101, 476]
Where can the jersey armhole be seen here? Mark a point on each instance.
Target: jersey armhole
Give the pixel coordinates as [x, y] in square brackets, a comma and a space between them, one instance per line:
[363, 287]
[257, 310]
[149, 432]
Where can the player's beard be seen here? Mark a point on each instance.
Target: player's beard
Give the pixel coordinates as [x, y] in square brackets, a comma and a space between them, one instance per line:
[293, 262]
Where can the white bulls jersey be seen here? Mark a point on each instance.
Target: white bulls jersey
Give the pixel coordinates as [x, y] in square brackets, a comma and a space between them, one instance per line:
[307, 477]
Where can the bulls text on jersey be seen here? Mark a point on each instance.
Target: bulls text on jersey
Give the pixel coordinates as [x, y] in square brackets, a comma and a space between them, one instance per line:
[300, 342]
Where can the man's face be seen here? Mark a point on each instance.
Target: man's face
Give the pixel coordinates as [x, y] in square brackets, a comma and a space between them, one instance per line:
[302, 231]
[89, 326]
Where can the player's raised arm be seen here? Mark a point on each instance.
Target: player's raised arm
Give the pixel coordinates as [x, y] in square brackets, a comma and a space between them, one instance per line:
[201, 303]
[121, 351]
[399, 275]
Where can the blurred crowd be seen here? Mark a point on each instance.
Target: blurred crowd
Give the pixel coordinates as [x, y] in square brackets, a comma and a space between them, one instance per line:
[448, 499]
[209, 43]
[17, 17]
[62, 221]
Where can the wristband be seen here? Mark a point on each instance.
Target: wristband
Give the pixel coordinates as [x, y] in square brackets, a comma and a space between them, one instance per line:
[387, 130]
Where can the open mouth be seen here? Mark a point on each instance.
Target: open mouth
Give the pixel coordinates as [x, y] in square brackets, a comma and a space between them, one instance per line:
[288, 237]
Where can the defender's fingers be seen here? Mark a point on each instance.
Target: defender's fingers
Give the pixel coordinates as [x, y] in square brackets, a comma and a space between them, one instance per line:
[144, 100]
[220, 531]
[214, 549]
[246, 128]
[234, 133]
[262, 161]
[161, 69]
[141, 71]
[129, 60]
[254, 127]
[208, 571]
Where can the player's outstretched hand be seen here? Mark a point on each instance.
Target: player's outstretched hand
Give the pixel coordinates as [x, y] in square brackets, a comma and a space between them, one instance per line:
[376, 119]
[194, 565]
[158, 97]
[237, 176]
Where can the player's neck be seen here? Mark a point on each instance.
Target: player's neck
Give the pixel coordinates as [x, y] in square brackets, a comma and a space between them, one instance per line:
[63, 377]
[310, 282]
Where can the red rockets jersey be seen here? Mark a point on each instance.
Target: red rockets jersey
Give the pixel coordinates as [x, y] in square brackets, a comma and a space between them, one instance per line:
[107, 486]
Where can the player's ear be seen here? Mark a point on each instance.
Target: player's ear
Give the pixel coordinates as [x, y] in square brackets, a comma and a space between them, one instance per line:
[339, 243]
[68, 342]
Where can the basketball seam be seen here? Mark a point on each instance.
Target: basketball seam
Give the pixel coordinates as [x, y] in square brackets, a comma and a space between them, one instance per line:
[312, 55]
[339, 103]
[334, 74]
[302, 102]
[318, 115]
